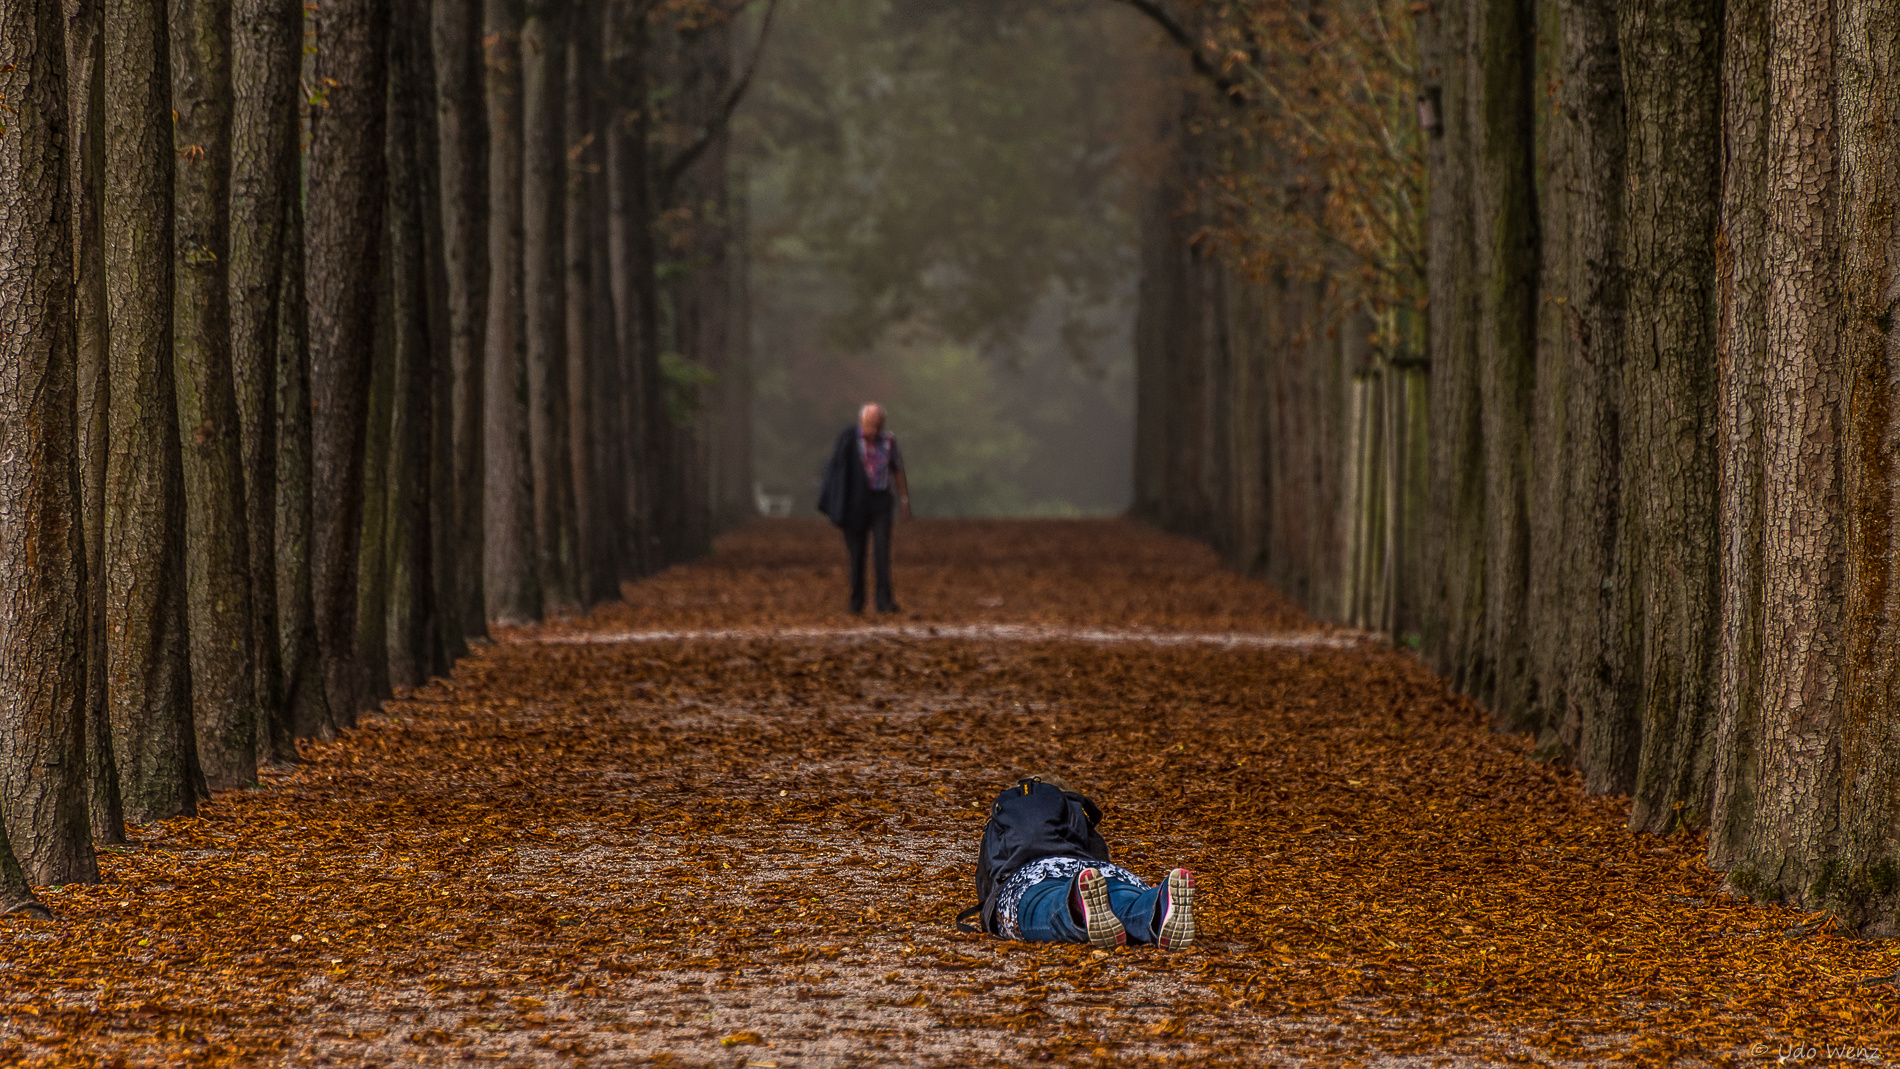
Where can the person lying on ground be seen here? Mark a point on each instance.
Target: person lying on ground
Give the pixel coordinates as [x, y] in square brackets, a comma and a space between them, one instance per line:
[1043, 875]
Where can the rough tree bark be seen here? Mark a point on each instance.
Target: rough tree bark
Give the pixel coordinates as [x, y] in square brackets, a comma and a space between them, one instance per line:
[266, 166]
[589, 394]
[631, 265]
[411, 621]
[1454, 601]
[86, 102]
[345, 233]
[148, 677]
[372, 556]
[1504, 212]
[309, 705]
[510, 576]
[462, 132]
[1672, 77]
[545, 147]
[1742, 356]
[42, 561]
[217, 554]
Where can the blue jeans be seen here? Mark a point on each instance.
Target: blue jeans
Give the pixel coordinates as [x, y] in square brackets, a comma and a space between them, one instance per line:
[1043, 914]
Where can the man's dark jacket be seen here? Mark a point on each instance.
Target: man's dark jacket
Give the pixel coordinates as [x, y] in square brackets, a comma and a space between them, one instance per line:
[1028, 822]
[846, 495]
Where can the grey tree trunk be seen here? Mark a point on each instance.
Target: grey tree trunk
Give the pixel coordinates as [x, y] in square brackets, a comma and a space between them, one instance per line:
[372, 559]
[266, 174]
[462, 132]
[545, 147]
[42, 559]
[589, 351]
[1672, 77]
[217, 553]
[510, 575]
[85, 99]
[148, 680]
[634, 284]
[345, 233]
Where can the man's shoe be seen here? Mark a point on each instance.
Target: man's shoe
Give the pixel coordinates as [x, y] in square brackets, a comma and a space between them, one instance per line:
[1177, 912]
[1104, 928]
[892, 607]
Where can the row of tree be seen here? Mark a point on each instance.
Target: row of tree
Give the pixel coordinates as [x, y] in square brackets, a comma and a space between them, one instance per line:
[1633, 486]
[328, 335]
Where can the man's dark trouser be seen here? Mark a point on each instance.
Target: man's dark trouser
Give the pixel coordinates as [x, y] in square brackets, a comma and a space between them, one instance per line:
[880, 533]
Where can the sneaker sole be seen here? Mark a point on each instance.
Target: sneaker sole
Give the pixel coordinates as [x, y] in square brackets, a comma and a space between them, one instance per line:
[1177, 930]
[1105, 929]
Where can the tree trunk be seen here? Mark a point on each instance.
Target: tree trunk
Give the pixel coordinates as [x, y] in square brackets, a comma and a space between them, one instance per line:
[588, 396]
[1742, 275]
[308, 704]
[266, 51]
[1868, 104]
[544, 254]
[372, 558]
[510, 576]
[345, 239]
[1504, 210]
[1593, 713]
[411, 614]
[448, 644]
[42, 559]
[148, 677]
[462, 131]
[1672, 79]
[1455, 599]
[635, 287]
[86, 102]
[217, 553]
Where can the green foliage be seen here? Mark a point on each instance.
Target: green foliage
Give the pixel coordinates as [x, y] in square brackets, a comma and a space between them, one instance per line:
[683, 379]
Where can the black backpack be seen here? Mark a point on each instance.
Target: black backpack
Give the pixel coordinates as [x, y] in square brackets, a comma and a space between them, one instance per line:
[1030, 821]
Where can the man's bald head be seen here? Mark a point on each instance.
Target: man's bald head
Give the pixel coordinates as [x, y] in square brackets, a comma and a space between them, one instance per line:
[871, 418]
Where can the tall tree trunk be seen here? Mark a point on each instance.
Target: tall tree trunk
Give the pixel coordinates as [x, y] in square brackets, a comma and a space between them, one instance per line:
[587, 393]
[462, 130]
[266, 51]
[411, 615]
[217, 553]
[345, 238]
[148, 677]
[86, 102]
[1672, 79]
[510, 576]
[305, 696]
[635, 287]
[447, 645]
[1868, 104]
[1594, 713]
[1504, 209]
[372, 558]
[544, 253]
[1456, 598]
[42, 559]
[1742, 275]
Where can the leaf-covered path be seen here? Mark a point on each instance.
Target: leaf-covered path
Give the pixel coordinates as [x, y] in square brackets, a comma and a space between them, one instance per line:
[725, 824]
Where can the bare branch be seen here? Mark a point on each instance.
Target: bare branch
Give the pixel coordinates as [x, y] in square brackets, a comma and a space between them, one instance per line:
[722, 118]
[1157, 12]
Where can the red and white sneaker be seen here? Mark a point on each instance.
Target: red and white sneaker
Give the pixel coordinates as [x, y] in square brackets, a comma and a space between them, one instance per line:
[1104, 928]
[1177, 912]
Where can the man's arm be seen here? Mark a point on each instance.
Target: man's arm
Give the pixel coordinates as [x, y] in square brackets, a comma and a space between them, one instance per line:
[903, 493]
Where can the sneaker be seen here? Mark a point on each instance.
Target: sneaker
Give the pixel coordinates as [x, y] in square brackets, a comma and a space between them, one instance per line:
[1104, 928]
[1177, 912]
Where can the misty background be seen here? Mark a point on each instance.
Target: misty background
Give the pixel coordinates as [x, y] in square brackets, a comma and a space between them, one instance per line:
[943, 206]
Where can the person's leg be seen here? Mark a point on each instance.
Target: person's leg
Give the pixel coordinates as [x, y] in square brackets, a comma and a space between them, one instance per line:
[854, 543]
[1161, 914]
[1043, 916]
[1136, 906]
[881, 535]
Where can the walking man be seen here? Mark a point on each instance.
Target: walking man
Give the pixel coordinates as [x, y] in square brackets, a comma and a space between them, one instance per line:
[858, 496]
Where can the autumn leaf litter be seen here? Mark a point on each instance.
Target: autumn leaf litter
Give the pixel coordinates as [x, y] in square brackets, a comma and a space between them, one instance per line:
[747, 849]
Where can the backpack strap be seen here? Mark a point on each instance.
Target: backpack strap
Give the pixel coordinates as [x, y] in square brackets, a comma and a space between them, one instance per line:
[970, 921]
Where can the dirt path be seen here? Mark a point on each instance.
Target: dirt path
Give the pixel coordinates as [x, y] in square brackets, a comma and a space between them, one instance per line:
[725, 824]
